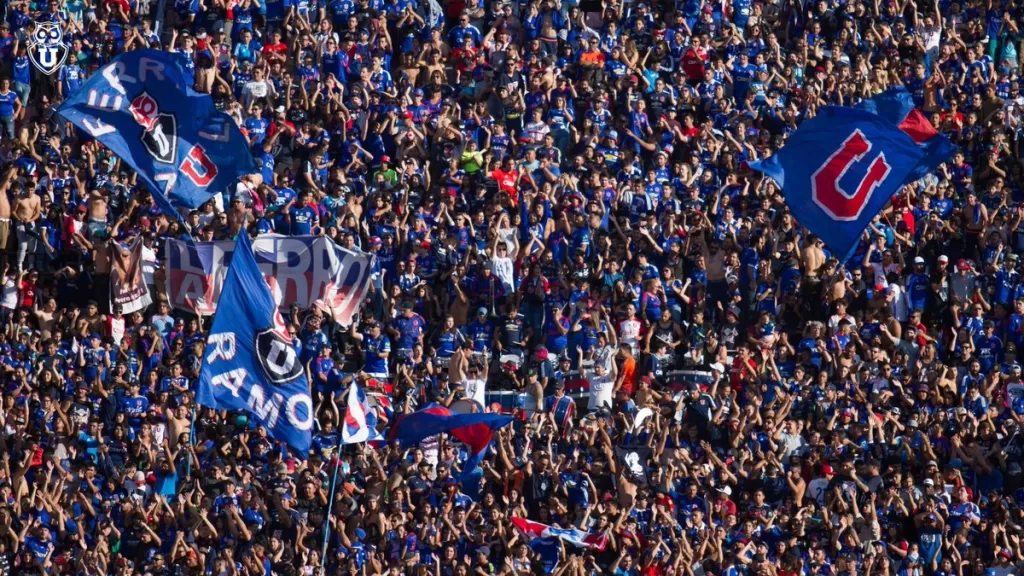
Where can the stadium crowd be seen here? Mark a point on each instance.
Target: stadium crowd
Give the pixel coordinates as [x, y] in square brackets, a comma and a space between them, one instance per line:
[565, 229]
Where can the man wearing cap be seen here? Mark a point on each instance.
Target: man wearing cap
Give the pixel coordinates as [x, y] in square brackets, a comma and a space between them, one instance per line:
[963, 282]
[988, 347]
[818, 487]
[376, 348]
[387, 171]
[93, 359]
[560, 408]
[481, 332]
[918, 285]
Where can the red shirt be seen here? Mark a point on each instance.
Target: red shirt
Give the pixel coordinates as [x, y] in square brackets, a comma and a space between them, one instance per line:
[506, 180]
[728, 507]
[279, 48]
[28, 293]
[693, 64]
[739, 372]
[272, 129]
[122, 3]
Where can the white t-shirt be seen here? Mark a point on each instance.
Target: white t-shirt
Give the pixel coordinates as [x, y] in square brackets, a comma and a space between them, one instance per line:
[9, 298]
[149, 264]
[504, 270]
[833, 322]
[476, 390]
[932, 39]
[604, 356]
[898, 304]
[818, 487]
[116, 326]
[629, 331]
[601, 388]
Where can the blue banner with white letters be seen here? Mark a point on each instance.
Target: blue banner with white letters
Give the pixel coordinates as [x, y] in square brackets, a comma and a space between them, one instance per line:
[250, 363]
[142, 107]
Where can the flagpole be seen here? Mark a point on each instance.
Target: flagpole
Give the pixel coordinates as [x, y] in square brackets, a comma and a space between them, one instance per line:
[191, 438]
[330, 499]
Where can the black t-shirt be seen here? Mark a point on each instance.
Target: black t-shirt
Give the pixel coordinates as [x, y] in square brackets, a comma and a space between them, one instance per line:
[538, 488]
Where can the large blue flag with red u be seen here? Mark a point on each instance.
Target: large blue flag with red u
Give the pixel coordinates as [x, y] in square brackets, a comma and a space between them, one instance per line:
[840, 168]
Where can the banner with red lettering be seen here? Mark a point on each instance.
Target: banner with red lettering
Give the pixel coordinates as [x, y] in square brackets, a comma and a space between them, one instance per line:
[302, 270]
[127, 286]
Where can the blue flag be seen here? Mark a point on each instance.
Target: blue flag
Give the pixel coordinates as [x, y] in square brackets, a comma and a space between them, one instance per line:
[897, 106]
[839, 169]
[250, 363]
[142, 107]
[473, 430]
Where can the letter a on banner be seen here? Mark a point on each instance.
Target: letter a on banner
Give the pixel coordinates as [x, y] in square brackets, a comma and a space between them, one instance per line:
[250, 363]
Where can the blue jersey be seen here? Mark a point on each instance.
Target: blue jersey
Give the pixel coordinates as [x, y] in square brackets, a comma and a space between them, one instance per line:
[409, 329]
[22, 70]
[741, 12]
[918, 287]
[257, 128]
[373, 363]
[7, 102]
[135, 407]
[743, 75]
[71, 77]
[990, 351]
[266, 163]
[303, 220]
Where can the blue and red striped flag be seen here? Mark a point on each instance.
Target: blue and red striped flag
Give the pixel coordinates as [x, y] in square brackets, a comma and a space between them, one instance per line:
[473, 430]
[535, 530]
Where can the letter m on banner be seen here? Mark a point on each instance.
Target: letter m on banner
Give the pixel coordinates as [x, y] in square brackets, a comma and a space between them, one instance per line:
[839, 169]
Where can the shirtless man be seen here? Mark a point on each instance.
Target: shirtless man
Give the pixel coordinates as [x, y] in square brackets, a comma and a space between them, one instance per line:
[28, 208]
[97, 216]
[46, 316]
[178, 423]
[91, 321]
[5, 214]
[718, 286]
[813, 259]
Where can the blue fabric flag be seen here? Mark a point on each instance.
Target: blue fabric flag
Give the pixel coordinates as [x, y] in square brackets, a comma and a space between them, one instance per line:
[897, 106]
[839, 169]
[250, 363]
[473, 430]
[142, 107]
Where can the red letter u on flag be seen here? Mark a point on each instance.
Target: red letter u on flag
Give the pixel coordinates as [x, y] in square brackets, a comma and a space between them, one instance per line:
[198, 167]
[826, 190]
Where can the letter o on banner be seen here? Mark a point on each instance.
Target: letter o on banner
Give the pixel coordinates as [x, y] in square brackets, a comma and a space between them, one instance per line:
[294, 415]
